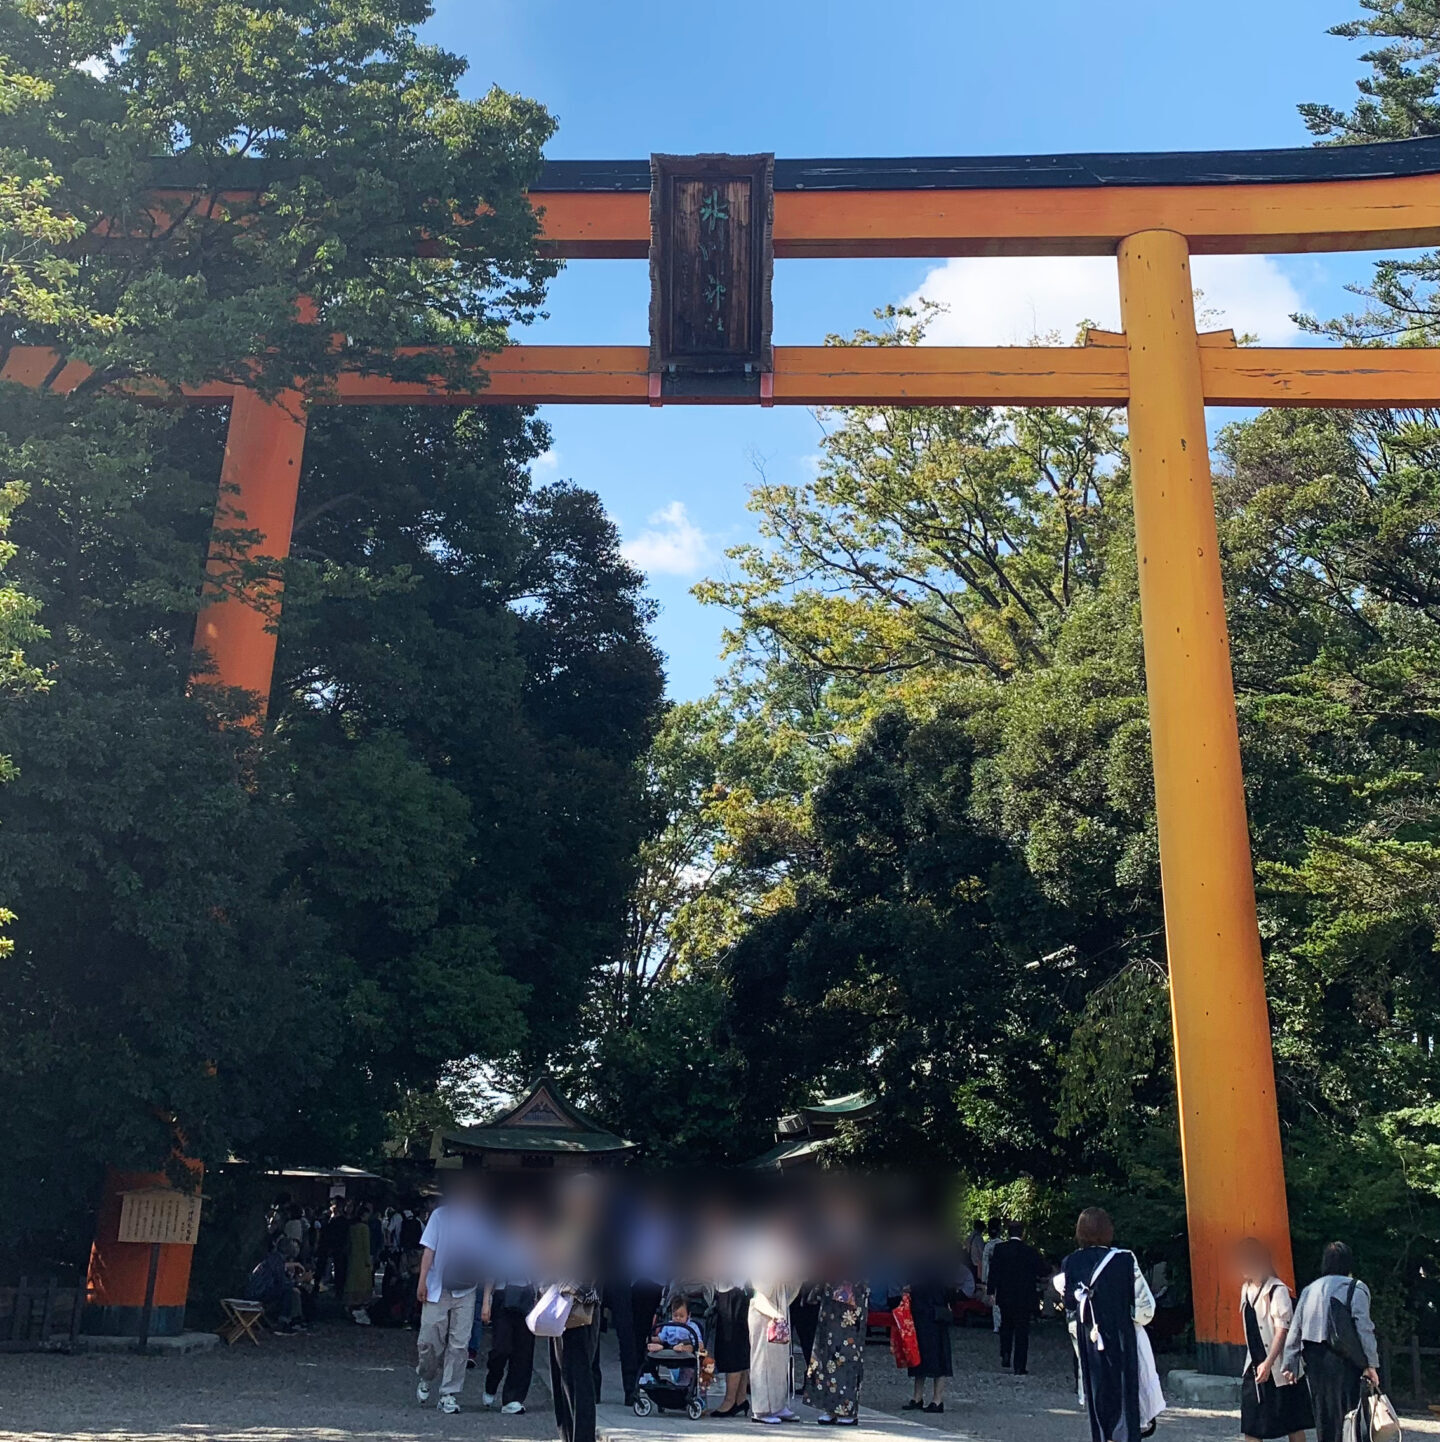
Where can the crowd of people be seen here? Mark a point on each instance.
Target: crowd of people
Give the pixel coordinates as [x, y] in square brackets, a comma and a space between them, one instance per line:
[517, 1265]
[341, 1247]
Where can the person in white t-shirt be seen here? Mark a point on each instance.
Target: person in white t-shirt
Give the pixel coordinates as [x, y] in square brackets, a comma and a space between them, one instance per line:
[457, 1253]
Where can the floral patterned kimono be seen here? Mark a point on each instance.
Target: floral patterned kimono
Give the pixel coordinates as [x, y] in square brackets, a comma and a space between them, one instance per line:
[837, 1361]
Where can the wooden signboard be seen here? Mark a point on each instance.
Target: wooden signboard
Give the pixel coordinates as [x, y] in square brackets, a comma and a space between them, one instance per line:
[159, 1216]
[711, 258]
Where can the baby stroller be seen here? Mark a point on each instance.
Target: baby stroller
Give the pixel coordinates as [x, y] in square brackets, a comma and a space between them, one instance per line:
[700, 1299]
[673, 1382]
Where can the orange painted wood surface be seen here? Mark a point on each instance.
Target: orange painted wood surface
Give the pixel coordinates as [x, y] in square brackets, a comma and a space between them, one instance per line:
[888, 375]
[1381, 213]
[1218, 219]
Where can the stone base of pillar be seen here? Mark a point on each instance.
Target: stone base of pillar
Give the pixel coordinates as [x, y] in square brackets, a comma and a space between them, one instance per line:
[1185, 1388]
[1220, 1359]
[122, 1321]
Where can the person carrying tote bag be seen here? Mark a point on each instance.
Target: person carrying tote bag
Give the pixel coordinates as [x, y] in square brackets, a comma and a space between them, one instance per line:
[1332, 1344]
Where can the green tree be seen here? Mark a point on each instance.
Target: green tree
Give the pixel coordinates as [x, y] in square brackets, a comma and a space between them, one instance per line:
[465, 685]
[176, 963]
[1398, 97]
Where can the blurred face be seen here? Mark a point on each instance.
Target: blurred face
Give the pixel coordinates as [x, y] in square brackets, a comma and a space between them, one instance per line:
[1252, 1264]
[680, 1313]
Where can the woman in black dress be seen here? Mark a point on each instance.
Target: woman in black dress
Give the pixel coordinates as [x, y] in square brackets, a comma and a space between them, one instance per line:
[930, 1307]
[732, 1346]
[1269, 1406]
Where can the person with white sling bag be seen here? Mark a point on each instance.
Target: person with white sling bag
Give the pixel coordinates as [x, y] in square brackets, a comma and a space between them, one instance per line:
[1105, 1288]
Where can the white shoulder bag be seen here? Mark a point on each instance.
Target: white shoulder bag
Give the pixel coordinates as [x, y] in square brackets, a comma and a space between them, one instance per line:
[549, 1315]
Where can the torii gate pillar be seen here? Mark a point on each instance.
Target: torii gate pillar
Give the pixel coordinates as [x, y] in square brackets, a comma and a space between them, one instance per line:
[1229, 1129]
[259, 485]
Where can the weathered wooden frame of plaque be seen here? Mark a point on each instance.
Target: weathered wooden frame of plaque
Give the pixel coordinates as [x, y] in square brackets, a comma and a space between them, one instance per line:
[712, 255]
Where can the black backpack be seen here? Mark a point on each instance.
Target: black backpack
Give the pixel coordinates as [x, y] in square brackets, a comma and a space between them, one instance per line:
[1341, 1334]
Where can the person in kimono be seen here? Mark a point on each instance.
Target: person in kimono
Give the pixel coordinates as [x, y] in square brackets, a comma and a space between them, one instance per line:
[837, 1359]
[770, 1351]
[1269, 1405]
[1108, 1293]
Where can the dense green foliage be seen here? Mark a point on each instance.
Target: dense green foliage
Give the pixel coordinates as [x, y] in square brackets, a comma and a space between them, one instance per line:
[272, 942]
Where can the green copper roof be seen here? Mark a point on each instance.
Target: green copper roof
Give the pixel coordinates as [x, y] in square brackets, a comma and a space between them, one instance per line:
[853, 1104]
[541, 1121]
[778, 1156]
[534, 1139]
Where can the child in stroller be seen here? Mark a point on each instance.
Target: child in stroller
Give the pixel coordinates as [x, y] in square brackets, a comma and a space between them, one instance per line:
[671, 1377]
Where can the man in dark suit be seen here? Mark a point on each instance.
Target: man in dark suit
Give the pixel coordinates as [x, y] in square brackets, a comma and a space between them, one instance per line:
[1015, 1268]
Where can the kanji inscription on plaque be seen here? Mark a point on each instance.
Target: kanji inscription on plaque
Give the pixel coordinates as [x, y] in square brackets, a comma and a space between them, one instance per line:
[711, 258]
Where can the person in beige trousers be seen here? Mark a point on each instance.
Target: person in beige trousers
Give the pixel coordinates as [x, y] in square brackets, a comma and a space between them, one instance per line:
[452, 1263]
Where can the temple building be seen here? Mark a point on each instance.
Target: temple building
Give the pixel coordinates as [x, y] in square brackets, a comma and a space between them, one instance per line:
[542, 1130]
[799, 1135]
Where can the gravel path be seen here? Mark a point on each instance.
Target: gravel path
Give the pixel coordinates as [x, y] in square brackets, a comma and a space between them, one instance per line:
[347, 1382]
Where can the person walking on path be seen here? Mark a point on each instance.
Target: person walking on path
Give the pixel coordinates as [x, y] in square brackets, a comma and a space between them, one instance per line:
[333, 1246]
[1269, 1405]
[1107, 1291]
[837, 1360]
[975, 1248]
[512, 1344]
[994, 1228]
[1015, 1269]
[1332, 1377]
[572, 1366]
[453, 1260]
[359, 1269]
[573, 1353]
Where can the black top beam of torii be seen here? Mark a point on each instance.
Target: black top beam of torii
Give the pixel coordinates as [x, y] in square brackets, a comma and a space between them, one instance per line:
[1393, 159]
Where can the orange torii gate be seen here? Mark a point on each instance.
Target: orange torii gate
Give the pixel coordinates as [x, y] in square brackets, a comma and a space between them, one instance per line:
[1152, 212]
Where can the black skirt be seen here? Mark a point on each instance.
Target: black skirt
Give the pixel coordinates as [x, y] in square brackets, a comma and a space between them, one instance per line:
[1266, 1410]
[1273, 1411]
[931, 1311]
[732, 1331]
[1334, 1387]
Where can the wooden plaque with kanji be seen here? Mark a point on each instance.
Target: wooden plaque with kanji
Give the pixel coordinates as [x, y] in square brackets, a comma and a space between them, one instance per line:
[159, 1214]
[711, 258]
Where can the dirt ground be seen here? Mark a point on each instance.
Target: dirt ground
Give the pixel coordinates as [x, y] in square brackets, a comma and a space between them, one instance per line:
[344, 1381]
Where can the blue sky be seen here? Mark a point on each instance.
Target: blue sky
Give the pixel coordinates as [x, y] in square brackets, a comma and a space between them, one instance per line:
[877, 77]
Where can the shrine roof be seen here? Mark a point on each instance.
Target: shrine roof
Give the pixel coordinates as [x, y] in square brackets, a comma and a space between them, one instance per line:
[541, 1121]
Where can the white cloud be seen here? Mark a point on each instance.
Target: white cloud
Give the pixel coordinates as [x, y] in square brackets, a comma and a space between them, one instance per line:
[671, 544]
[547, 463]
[1009, 300]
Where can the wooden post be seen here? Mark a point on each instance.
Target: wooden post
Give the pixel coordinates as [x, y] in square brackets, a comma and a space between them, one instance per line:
[1229, 1127]
[148, 1310]
[259, 484]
